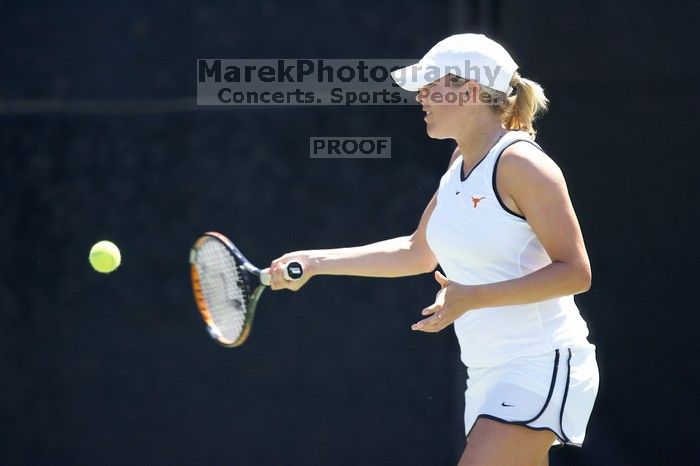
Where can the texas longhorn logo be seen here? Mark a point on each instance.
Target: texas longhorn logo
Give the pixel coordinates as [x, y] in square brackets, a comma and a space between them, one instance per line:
[476, 200]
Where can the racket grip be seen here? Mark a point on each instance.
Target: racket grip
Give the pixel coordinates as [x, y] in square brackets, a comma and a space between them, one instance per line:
[292, 271]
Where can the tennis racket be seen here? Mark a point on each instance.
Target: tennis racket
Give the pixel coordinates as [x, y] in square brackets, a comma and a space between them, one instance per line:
[227, 287]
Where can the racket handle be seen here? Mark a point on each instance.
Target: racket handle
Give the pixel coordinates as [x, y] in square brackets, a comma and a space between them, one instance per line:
[292, 271]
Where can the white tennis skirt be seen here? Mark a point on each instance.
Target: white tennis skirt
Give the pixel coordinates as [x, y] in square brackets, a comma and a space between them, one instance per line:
[553, 391]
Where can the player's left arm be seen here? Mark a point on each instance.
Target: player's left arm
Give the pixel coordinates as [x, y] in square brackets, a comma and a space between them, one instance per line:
[530, 184]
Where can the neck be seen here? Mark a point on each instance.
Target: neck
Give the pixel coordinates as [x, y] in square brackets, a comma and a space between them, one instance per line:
[478, 137]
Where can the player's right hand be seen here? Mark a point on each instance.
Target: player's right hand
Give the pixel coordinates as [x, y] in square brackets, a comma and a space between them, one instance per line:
[277, 280]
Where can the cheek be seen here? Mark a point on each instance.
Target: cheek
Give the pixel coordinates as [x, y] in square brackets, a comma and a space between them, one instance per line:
[449, 112]
[446, 121]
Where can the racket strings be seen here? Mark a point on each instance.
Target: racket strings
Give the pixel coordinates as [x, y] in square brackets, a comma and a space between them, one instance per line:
[223, 290]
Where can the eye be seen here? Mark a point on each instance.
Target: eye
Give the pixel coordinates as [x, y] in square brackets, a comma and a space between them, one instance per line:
[427, 87]
[455, 81]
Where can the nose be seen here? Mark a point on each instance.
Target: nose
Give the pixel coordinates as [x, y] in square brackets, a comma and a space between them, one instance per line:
[421, 95]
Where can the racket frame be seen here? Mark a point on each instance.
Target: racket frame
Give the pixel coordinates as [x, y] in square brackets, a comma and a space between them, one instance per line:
[202, 306]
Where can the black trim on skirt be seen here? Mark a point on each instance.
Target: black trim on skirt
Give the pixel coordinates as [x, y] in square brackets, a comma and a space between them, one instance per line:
[566, 393]
[551, 388]
[565, 440]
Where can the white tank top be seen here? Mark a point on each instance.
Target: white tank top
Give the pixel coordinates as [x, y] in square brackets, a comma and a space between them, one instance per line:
[477, 240]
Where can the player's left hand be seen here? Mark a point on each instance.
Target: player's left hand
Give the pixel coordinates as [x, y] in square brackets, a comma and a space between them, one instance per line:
[450, 304]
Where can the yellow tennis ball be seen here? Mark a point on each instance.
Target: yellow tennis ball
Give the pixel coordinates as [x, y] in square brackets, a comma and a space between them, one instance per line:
[105, 257]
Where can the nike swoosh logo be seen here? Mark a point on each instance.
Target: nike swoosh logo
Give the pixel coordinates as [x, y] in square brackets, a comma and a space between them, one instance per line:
[507, 406]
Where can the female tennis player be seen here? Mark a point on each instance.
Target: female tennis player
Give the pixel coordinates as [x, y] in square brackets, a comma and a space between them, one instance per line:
[503, 229]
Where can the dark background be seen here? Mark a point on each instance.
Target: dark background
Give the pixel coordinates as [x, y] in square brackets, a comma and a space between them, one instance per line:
[118, 369]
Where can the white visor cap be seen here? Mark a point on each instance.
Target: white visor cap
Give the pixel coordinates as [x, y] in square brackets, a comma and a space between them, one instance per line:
[469, 56]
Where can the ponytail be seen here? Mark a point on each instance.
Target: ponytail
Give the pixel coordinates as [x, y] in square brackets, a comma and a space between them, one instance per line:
[520, 110]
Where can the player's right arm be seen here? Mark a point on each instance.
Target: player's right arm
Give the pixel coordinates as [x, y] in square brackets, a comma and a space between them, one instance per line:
[396, 257]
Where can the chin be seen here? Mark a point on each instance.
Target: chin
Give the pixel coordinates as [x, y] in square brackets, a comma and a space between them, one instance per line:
[434, 134]
[433, 131]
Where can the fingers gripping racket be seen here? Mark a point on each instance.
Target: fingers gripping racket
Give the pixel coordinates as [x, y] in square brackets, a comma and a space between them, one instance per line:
[227, 287]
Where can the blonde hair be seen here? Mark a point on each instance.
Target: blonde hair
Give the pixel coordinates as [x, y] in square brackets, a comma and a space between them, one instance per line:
[518, 111]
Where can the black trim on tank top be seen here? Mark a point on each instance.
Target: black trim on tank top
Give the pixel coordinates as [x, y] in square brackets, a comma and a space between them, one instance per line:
[461, 175]
[495, 168]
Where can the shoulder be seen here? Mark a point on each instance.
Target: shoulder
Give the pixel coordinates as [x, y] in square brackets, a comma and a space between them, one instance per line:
[524, 165]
